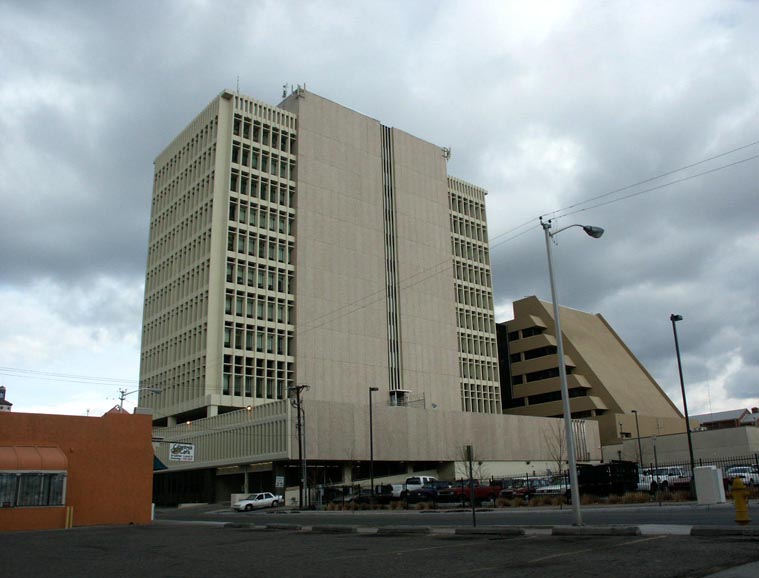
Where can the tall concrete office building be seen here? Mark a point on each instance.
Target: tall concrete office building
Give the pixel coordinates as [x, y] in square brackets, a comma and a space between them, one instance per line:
[306, 243]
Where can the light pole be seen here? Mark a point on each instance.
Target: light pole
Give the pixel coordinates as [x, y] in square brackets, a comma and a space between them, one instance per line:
[594, 232]
[637, 429]
[294, 392]
[371, 441]
[123, 393]
[674, 319]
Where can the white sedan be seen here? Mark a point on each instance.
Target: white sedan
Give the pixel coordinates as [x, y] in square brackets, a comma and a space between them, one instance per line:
[260, 500]
[746, 473]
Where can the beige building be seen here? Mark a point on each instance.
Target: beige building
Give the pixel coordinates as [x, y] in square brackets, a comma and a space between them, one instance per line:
[306, 243]
[606, 381]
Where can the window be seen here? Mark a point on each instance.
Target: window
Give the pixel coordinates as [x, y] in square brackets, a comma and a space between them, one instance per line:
[32, 489]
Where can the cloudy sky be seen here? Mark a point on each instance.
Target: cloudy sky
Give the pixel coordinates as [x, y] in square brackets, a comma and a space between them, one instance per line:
[640, 117]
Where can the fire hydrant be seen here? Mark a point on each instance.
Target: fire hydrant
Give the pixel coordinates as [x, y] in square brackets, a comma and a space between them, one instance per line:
[740, 498]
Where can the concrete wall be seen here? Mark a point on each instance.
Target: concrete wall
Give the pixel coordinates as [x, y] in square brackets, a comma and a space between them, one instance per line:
[339, 431]
[110, 468]
[707, 445]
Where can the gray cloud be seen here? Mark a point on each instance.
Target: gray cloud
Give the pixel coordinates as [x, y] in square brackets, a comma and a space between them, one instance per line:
[543, 105]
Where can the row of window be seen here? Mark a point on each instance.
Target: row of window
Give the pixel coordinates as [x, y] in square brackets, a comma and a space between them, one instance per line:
[187, 314]
[22, 489]
[203, 142]
[171, 236]
[182, 287]
[262, 217]
[474, 297]
[176, 204]
[477, 345]
[263, 247]
[470, 228]
[270, 278]
[472, 250]
[193, 174]
[457, 203]
[256, 377]
[172, 351]
[260, 187]
[471, 272]
[258, 307]
[478, 369]
[264, 134]
[480, 398]
[179, 382]
[257, 160]
[476, 320]
[179, 263]
[528, 332]
[251, 338]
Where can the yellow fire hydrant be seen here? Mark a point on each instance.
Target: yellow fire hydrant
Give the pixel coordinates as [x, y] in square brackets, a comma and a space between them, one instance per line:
[740, 499]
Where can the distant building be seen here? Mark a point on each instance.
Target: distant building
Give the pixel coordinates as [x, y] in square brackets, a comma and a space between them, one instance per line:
[728, 419]
[606, 381]
[5, 405]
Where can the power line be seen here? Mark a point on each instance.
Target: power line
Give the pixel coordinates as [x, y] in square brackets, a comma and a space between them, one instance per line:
[66, 377]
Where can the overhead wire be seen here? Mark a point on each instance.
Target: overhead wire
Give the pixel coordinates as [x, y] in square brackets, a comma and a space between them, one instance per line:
[429, 272]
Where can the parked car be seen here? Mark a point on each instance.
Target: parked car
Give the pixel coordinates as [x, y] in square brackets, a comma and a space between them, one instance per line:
[663, 478]
[257, 501]
[748, 474]
[556, 486]
[428, 492]
[521, 488]
[412, 483]
[459, 491]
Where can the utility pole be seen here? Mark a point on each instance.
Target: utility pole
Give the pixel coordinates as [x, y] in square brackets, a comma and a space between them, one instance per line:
[472, 499]
[294, 393]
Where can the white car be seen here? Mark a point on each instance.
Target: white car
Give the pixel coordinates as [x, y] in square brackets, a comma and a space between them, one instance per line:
[663, 478]
[746, 473]
[260, 500]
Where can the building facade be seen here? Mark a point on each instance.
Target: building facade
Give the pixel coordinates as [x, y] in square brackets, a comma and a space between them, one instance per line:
[61, 471]
[308, 243]
[606, 381]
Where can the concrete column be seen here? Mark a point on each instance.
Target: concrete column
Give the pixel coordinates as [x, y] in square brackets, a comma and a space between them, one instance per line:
[171, 420]
[212, 411]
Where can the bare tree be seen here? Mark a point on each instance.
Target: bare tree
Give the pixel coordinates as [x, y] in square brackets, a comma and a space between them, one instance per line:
[554, 438]
[479, 469]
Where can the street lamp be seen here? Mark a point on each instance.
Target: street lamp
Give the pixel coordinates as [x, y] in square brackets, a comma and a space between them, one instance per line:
[594, 232]
[294, 393]
[123, 393]
[674, 319]
[371, 441]
[637, 429]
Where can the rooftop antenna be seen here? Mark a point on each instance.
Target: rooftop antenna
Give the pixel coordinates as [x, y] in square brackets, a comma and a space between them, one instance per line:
[284, 90]
[447, 153]
[238, 83]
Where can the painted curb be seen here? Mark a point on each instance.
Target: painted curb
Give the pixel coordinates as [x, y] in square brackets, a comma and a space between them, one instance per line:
[296, 527]
[511, 531]
[334, 529]
[402, 530]
[724, 531]
[595, 531]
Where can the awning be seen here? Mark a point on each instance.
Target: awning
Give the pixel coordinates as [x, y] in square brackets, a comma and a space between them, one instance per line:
[25, 458]
[158, 465]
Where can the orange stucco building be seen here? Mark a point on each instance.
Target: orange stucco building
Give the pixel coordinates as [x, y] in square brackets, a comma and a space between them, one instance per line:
[58, 471]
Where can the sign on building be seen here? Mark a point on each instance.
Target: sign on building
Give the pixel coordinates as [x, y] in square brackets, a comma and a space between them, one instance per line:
[181, 452]
[279, 482]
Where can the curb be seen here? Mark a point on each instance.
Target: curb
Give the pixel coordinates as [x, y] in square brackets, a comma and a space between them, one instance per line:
[402, 530]
[492, 531]
[334, 529]
[724, 531]
[595, 531]
[296, 527]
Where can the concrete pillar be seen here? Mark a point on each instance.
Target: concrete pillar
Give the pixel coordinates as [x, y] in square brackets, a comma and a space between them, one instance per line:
[171, 420]
[212, 411]
[347, 474]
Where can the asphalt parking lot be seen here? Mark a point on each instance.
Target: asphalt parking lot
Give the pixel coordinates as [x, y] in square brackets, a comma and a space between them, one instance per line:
[191, 550]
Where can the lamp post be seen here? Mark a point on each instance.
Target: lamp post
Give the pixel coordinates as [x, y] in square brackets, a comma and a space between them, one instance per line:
[594, 232]
[674, 319]
[637, 429]
[371, 441]
[123, 393]
[294, 392]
